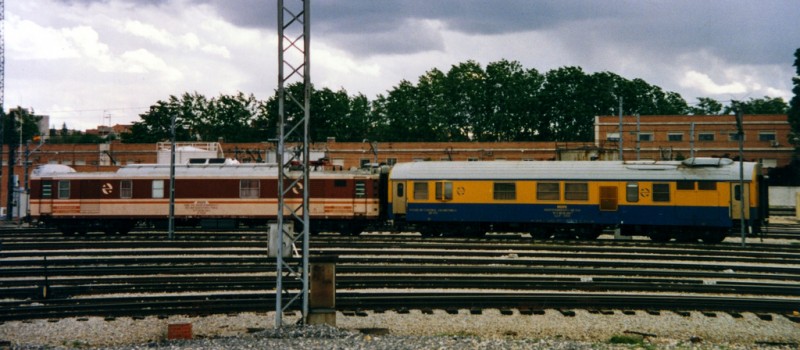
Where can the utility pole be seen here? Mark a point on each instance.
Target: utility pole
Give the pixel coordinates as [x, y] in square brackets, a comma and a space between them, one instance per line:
[620, 129]
[10, 177]
[294, 28]
[743, 200]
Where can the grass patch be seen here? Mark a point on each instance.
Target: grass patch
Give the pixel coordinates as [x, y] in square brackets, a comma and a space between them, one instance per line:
[626, 339]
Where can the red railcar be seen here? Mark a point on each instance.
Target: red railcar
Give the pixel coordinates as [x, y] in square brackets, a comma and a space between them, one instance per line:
[209, 195]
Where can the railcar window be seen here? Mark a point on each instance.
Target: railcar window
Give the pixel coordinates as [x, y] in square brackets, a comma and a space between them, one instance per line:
[158, 188]
[249, 188]
[47, 189]
[548, 191]
[505, 190]
[737, 193]
[126, 189]
[361, 189]
[685, 185]
[63, 189]
[444, 190]
[707, 185]
[421, 190]
[660, 192]
[632, 192]
[401, 189]
[576, 191]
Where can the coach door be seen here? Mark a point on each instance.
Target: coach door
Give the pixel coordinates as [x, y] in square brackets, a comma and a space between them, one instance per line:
[608, 198]
[360, 197]
[739, 198]
[46, 196]
[399, 198]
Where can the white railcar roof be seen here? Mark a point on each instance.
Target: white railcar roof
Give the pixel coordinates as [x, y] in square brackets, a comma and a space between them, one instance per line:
[184, 171]
[717, 169]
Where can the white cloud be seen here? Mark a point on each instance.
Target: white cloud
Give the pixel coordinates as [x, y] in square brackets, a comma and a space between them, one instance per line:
[700, 81]
[149, 32]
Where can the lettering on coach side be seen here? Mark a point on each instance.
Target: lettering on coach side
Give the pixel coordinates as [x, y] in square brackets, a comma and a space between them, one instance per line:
[200, 207]
[562, 211]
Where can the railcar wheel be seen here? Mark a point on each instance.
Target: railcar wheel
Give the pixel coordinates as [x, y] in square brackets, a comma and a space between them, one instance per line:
[713, 237]
[588, 233]
[541, 233]
[659, 237]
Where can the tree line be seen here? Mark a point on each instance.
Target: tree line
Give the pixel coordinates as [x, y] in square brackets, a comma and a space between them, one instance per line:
[500, 102]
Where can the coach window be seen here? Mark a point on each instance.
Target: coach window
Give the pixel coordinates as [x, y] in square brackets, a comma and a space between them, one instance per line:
[660, 192]
[706, 185]
[158, 188]
[361, 189]
[126, 189]
[548, 191]
[578, 191]
[47, 189]
[249, 188]
[632, 192]
[505, 191]
[444, 190]
[421, 190]
[685, 185]
[63, 189]
[401, 189]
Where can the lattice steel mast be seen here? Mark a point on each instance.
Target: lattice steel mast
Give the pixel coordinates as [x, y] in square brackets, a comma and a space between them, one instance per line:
[293, 40]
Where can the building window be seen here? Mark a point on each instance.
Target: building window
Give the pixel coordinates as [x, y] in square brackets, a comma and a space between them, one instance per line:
[249, 188]
[645, 136]
[472, 159]
[444, 190]
[660, 192]
[363, 162]
[734, 136]
[612, 136]
[766, 136]
[769, 163]
[632, 192]
[576, 191]
[685, 185]
[391, 161]
[705, 136]
[421, 190]
[548, 191]
[675, 136]
[126, 189]
[158, 188]
[505, 191]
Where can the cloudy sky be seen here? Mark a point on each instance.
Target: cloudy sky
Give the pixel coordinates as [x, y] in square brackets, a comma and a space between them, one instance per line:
[91, 62]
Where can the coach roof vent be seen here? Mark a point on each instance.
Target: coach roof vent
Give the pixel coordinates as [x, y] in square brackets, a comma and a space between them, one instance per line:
[707, 162]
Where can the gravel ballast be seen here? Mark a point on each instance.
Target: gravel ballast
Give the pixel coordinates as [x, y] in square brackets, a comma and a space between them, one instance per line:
[414, 330]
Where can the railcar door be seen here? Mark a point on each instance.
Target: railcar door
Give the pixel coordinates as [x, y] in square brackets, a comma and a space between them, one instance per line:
[609, 200]
[46, 197]
[399, 198]
[739, 198]
[360, 196]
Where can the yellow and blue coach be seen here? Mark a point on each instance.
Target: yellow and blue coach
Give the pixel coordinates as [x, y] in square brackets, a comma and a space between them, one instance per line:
[698, 198]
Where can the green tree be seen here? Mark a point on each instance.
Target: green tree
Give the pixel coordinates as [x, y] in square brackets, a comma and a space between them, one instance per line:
[765, 105]
[26, 126]
[793, 113]
[706, 106]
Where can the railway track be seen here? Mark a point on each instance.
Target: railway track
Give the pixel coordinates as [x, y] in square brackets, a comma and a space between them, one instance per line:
[205, 273]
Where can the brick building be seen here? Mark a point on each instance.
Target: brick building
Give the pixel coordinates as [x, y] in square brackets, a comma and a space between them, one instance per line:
[766, 137]
[659, 137]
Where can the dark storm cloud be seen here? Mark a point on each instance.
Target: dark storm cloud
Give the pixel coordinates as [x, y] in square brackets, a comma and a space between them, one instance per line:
[742, 31]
